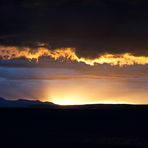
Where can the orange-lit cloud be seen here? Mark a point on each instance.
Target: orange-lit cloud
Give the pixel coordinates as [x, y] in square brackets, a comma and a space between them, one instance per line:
[70, 54]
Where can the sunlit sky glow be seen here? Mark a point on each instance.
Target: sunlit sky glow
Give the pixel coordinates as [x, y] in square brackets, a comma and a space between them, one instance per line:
[68, 86]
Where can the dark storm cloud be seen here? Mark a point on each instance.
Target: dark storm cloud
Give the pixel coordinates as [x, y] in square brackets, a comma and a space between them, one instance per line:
[92, 26]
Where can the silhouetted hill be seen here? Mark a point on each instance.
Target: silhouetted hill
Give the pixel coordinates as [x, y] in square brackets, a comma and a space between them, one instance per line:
[25, 122]
[22, 103]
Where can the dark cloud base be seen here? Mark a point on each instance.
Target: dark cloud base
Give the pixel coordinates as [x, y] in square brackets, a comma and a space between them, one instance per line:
[92, 26]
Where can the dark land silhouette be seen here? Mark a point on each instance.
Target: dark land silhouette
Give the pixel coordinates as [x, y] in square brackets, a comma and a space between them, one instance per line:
[24, 122]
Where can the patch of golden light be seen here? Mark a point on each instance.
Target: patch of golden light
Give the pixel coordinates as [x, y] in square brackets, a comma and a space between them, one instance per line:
[78, 101]
[84, 97]
[67, 100]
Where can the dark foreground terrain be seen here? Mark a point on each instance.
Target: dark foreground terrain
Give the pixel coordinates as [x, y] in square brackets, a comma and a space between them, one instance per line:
[94, 125]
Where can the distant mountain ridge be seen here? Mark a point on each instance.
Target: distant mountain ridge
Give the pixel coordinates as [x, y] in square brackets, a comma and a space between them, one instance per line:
[22, 103]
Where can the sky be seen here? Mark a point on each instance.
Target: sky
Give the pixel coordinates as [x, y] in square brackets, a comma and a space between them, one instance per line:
[90, 29]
